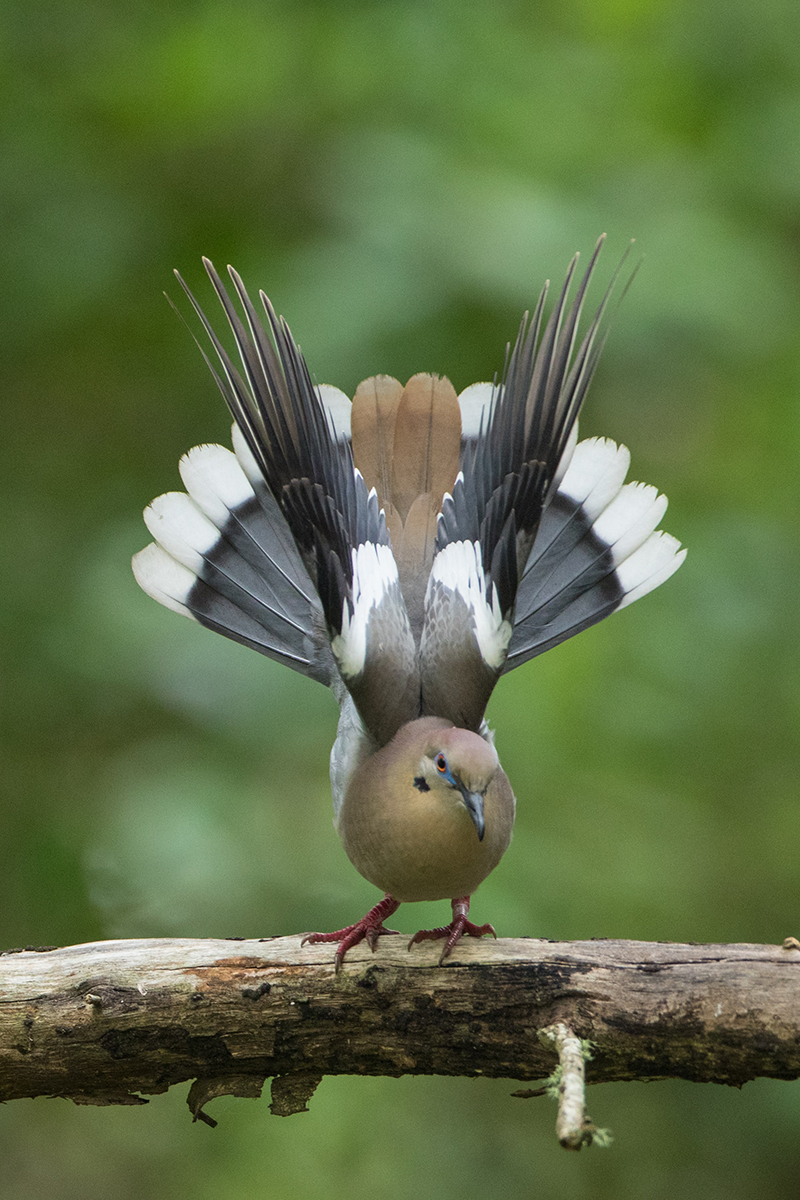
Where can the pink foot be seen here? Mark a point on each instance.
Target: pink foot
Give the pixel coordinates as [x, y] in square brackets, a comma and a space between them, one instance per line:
[368, 929]
[458, 927]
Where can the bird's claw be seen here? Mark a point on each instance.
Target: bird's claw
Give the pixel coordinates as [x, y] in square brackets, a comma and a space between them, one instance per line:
[459, 927]
[368, 929]
[314, 939]
[374, 932]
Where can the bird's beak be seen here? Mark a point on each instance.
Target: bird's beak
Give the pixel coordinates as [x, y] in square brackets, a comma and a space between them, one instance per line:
[473, 802]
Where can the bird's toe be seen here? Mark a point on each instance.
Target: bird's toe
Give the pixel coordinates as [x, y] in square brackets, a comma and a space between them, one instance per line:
[459, 927]
[369, 929]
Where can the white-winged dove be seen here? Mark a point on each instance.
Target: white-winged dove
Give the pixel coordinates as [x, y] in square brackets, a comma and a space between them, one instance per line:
[406, 551]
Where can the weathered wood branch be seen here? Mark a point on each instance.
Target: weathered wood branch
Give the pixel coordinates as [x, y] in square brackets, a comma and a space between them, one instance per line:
[104, 1022]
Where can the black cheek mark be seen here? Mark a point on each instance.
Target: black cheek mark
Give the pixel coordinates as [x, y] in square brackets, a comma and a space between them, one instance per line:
[420, 784]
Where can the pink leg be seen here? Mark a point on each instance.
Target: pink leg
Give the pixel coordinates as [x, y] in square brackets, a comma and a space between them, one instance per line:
[368, 929]
[458, 927]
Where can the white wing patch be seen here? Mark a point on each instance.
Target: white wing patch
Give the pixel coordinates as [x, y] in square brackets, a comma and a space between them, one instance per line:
[181, 529]
[629, 519]
[338, 407]
[649, 566]
[166, 580]
[246, 459]
[566, 459]
[458, 567]
[475, 403]
[595, 474]
[374, 575]
[215, 481]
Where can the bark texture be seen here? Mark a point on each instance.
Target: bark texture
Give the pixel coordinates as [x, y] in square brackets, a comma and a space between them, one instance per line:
[104, 1022]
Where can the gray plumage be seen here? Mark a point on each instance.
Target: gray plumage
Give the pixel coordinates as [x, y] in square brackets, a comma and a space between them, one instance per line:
[406, 551]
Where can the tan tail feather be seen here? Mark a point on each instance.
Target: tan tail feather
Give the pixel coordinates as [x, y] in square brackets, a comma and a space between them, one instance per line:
[406, 444]
[394, 525]
[372, 421]
[414, 554]
[427, 441]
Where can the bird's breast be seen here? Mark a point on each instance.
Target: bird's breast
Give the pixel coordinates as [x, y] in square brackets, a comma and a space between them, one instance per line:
[423, 845]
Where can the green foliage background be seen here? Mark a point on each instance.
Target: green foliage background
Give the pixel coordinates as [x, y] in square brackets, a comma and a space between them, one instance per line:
[400, 177]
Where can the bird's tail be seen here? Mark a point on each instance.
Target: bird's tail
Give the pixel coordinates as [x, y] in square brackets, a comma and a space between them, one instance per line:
[406, 443]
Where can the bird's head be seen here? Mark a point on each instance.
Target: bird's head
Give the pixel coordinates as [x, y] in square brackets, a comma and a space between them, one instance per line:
[461, 763]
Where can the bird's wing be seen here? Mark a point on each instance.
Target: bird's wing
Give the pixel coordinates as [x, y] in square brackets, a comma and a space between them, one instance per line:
[597, 550]
[510, 468]
[223, 554]
[294, 440]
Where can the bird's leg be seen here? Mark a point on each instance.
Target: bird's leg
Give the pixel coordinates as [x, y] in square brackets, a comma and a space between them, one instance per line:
[458, 927]
[368, 929]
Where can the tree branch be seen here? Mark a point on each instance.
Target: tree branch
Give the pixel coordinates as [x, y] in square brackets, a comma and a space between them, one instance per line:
[104, 1022]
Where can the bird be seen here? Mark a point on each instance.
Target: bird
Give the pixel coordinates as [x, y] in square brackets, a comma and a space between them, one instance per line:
[406, 549]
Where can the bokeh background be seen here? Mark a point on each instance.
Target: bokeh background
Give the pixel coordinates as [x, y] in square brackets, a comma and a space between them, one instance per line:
[400, 177]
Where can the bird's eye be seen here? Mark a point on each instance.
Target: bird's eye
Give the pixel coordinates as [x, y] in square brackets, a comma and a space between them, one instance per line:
[441, 763]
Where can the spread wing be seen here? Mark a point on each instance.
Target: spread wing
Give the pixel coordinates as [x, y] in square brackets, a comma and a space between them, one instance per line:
[597, 550]
[295, 446]
[510, 469]
[411, 582]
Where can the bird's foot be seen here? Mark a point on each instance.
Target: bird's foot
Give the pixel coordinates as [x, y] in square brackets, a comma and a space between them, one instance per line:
[458, 928]
[368, 929]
